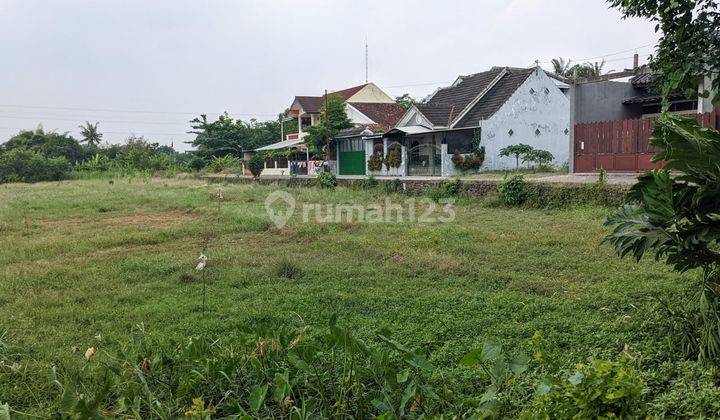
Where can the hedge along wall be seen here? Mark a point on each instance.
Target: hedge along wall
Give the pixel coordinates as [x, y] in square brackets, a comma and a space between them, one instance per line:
[537, 195]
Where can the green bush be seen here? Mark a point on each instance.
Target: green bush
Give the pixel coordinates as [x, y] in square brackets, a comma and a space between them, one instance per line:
[256, 165]
[326, 180]
[196, 163]
[471, 162]
[394, 158]
[445, 189]
[265, 373]
[513, 190]
[600, 389]
[375, 162]
[20, 165]
[219, 164]
[368, 183]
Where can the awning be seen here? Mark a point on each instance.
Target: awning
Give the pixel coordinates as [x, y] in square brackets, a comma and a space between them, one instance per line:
[282, 145]
[649, 98]
[411, 129]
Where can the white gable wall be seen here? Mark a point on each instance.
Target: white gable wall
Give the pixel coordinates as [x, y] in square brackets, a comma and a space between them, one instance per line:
[356, 116]
[372, 94]
[524, 113]
[413, 117]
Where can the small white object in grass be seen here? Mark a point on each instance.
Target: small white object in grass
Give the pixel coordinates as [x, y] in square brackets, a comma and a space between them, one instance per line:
[201, 264]
[89, 353]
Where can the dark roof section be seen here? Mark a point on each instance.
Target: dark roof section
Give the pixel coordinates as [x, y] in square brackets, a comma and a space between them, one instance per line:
[447, 103]
[495, 97]
[350, 132]
[642, 80]
[652, 98]
[385, 115]
[312, 104]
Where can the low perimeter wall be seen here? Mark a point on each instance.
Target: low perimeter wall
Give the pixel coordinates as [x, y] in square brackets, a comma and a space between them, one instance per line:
[552, 194]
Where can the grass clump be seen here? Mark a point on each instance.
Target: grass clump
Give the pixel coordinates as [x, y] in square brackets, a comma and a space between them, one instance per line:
[288, 269]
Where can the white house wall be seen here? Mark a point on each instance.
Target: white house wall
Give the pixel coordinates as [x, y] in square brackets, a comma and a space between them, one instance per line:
[413, 117]
[524, 113]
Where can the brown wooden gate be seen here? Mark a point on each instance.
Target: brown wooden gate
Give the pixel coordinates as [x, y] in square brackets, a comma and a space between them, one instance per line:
[622, 145]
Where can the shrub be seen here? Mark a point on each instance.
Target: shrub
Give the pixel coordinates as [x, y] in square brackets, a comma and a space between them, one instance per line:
[368, 183]
[219, 164]
[288, 269]
[513, 190]
[445, 189]
[256, 165]
[375, 162]
[196, 163]
[98, 163]
[326, 180]
[20, 165]
[600, 389]
[267, 373]
[392, 187]
[394, 158]
[541, 157]
[468, 162]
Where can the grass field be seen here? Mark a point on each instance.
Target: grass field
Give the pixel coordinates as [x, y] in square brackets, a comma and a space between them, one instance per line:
[82, 262]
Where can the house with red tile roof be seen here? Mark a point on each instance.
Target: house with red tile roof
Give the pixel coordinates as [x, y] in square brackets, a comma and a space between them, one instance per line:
[367, 106]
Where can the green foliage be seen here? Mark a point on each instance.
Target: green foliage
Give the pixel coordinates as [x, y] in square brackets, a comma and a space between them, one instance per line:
[90, 134]
[471, 162]
[21, 165]
[393, 158]
[586, 71]
[225, 163]
[599, 389]
[405, 101]
[538, 156]
[266, 373]
[326, 180]
[447, 188]
[513, 190]
[375, 162]
[393, 186]
[501, 370]
[256, 165]
[288, 269]
[368, 183]
[677, 220]
[333, 118]
[226, 136]
[516, 150]
[97, 163]
[561, 67]
[196, 163]
[689, 42]
[49, 144]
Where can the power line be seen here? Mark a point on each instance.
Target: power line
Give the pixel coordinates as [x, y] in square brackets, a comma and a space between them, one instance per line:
[69, 108]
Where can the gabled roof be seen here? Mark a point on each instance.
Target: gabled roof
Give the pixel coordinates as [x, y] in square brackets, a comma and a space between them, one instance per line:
[490, 89]
[312, 104]
[385, 115]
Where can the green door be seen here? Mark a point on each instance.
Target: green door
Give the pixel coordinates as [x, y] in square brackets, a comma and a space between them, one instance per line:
[351, 156]
[352, 163]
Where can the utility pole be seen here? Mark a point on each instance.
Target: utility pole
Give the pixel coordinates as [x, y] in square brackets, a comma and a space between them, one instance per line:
[366, 60]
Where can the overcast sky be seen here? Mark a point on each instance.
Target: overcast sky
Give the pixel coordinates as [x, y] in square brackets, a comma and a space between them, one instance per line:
[64, 62]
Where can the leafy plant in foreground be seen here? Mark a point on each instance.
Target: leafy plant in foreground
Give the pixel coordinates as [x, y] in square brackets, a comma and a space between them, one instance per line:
[326, 180]
[513, 190]
[678, 219]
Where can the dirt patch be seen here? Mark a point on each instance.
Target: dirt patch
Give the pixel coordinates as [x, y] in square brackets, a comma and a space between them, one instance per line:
[155, 220]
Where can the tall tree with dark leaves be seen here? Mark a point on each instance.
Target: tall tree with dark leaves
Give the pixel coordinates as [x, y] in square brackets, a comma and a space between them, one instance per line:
[226, 136]
[688, 53]
[673, 214]
[333, 118]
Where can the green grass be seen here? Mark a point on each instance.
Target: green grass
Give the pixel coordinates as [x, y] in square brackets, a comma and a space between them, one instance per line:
[83, 261]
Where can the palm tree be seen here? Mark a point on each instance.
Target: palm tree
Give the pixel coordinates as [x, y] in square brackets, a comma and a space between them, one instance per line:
[90, 134]
[587, 70]
[560, 66]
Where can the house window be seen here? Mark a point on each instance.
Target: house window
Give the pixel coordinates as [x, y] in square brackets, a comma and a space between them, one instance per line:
[510, 132]
[547, 91]
[305, 122]
[566, 131]
[532, 91]
[459, 142]
[537, 131]
[355, 144]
